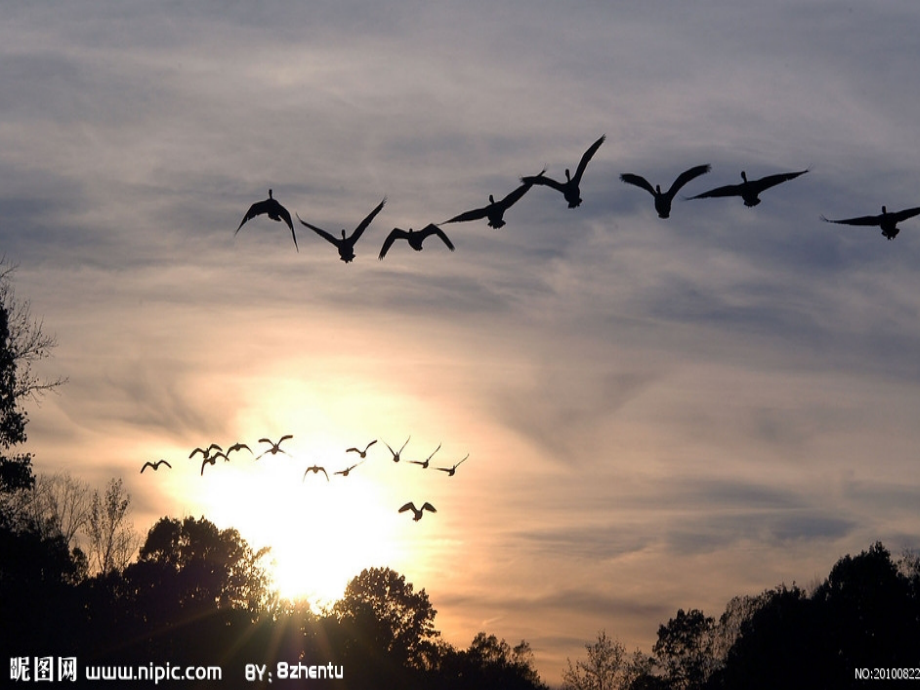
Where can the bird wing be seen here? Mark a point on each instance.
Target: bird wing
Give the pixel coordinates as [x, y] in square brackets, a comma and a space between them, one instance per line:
[475, 214]
[322, 233]
[285, 214]
[905, 214]
[325, 472]
[256, 209]
[369, 445]
[638, 181]
[164, 463]
[512, 198]
[773, 180]
[367, 221]
[285, 438]
[408, 506]
[265, 440]
[395, 234]
[583, 163]
[146, 465]
[461, 462]
[428, 506]
[686, 176]
[197, 450]
[542, 179]
[727, 190]
[432, 229]
[861, 220]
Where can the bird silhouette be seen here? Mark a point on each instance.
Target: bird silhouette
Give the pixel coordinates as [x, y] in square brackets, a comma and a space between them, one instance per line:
[570, 188]
[275, 447]
[749, 190]
[238, 446]
[362, 453]
[418, 511]
[452, 470]
[155, 465]
[205, 452]
[427, 460]
[887, 221]
[495, 211]
[414, 238]
[345, 472]
[207, 461]
[315, 469]
[396, 453]
[663, 199]
[346, 245]
[274, 210]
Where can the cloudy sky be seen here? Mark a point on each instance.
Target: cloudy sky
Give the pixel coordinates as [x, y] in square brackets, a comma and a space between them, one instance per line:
[658, 413]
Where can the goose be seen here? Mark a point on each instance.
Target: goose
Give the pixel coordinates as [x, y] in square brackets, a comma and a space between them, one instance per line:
[418, 511]
[663, 199]
[205, 452]
[207, 461]
[155, 465]
[749, 190]
[274, 210]
[887, 221]
[237, 447]
[414, 238]
[495, 211]
[275, 447]
[315, 469]
[396, 453]
[427, 460]
[346, 245]
[452, 470]
[345, 472]
[362, 453]
[569, 188]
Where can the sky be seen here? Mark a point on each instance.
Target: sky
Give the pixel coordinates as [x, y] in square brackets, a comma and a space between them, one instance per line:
[658, 414]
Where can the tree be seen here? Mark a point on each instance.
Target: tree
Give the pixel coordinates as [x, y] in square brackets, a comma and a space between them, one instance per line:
[60, 504]
[493, 663]
[684, 649]
[605, 668]
[112, 537]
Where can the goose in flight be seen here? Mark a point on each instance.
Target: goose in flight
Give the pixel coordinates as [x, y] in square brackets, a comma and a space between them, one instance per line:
[205, 452]
[155, 465]
[275, 447]
[208, 460]
[495, 211]
[427, 460]
[362, 453]
[887, 221]
[569, 188]
[345, 472]
[414, 238]
[396, 453]
[346, 245]
[315, 469]
[418, 511]
[274, 210]
[749, 190]
[452, 470]
[238, 446]
[663, 199]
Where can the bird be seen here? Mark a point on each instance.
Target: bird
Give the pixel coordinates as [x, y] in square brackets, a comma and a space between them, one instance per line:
[663, 199]
[887, 221]
[207, 461]
[155, 465]
[205, 452]
[345, 472]
[427, 460]
[452, 470]
[570, 188]
[396, 453]
[220, 454]
[274, 210]
[414, 238]
[315, 469]
[362, 453]
[346, 245]
[418, 511]
[495, 211]
[749, 190]
[275, 447]
[238, 446]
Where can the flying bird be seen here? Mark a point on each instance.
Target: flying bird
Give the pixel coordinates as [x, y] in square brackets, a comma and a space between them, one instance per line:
[205, 452]
[345, 472]
[238, 446]
[362, 453]
[396, 453]
[749, 190]
[887, 221]
[495, 211]
[275, 447]
[663, 199]
[570, 188]
[207, 461]
[452, 470]
[274, 210]
[346, 245]
[155, 465]
[315, 469]
[427, 460]
[414, 238]
[418, 511]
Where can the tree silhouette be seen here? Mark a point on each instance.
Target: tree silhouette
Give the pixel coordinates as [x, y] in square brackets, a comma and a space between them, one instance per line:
[605, 668]
[112, 537]
[684, 649]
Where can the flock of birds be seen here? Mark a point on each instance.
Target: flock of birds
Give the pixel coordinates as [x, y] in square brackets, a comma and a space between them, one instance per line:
[494, 211]
[212, 452]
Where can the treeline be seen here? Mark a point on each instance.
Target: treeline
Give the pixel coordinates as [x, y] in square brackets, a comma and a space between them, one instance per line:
[861, 624]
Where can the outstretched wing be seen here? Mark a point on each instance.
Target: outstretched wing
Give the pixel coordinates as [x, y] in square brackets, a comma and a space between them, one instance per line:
[773, 180]
[686, 176]
[432, 229]
[146, 465]
[905, 214]
[545, 181]
[727, 190]
[638, 181]
[163, 462]
[475, 214]
[286, 216]
[861, 220]
[395, 234]
[408, 506]
[583, 163]
[428, 506]
[367, 221]
[332, 239]
[256, 209]
[512, 198]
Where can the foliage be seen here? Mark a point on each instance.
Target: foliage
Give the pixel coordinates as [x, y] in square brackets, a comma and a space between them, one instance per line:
[605, 668]
[112, 537]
